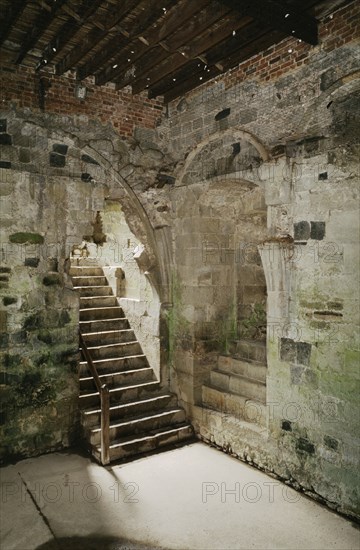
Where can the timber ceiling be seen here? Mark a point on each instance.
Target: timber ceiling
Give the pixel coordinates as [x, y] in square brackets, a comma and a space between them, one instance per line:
[166, 47]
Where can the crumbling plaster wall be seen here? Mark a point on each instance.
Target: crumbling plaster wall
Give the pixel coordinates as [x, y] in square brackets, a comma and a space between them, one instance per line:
[305, 125]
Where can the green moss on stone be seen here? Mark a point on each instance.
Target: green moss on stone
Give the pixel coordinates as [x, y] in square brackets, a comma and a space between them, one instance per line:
[52, 279]
[32, 322]
[23, 237]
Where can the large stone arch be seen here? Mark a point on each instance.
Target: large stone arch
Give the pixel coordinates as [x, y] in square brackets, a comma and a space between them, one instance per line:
[108, 154]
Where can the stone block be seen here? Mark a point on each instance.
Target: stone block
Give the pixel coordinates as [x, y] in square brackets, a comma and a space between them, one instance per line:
[60, 148]
[57, 160]
[304, 445]
[317, 230]
[303, 353]
[5, 139]
[301, 231]
[288, 350]
[24, 155]
[32, 262]
[3, 124]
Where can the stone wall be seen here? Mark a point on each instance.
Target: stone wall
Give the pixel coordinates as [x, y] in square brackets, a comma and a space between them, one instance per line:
[276, 139]
[56, 173]
[284, 143]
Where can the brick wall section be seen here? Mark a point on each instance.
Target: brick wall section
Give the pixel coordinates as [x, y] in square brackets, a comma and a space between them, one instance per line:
[335, 30]
[20, 85]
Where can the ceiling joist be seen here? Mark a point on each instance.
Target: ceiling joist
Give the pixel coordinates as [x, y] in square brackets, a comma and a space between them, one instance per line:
[280, 17]
[69, 29]
[43, 21]
[13, 13]
[173, 19]
[166, 48]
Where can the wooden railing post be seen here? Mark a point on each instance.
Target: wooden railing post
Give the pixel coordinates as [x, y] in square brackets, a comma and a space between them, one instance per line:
[105, 424]
[104, 404]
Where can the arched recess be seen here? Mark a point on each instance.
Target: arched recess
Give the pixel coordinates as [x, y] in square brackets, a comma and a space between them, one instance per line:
[221, 218]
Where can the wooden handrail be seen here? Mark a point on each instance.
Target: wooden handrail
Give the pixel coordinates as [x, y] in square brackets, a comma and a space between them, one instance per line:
[104, 403]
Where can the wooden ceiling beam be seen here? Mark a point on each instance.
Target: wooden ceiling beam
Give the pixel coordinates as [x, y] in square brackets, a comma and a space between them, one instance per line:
[95, 35]
[214, 35]
[69, 29]
[180, 35]
[225, 56]
[13, 13]
[117, 44]
[38, 28]
[171, 21]
[280, 17]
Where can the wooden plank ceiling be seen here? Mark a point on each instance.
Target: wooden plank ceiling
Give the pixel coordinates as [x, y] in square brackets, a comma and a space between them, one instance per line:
[166, 47]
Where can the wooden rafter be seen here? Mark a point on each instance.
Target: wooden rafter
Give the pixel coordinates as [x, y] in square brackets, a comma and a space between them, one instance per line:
[280, 17]
[192, 80]
[14, 12]
[150, 14]
[94, 36]
[191, 50]
[69, 29]
[44, 20]
[173, 19]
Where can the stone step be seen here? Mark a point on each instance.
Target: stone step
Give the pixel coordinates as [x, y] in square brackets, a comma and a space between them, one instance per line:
[239, 406]
[144, 443]
[97, 301]
[121, 378]
[97, 313]
[255, 350]
[123, 349]
[141, 424]
[241, 367]
[92, 417]
[121, 323]
[115, 364]
[80, 271]
[240, 385]
[123, 394]
[94, 290]
[109, 337]
[89, 280]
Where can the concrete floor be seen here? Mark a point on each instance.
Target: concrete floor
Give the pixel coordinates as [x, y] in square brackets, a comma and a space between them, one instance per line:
[190, 498]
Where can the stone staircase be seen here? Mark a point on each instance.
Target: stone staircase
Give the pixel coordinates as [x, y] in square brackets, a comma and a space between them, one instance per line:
[143, 415]
[238, 383]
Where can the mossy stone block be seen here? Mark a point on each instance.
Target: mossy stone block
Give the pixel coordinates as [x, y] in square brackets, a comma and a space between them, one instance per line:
[24, 237]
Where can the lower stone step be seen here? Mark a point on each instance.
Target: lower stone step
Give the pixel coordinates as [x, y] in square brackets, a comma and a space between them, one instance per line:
[133, 446]
[97, 313]
[115, 364]
[115, 350]
[89, 271]
[141, 424]
[121, 378]
[109, 337]
[241, 367]
[92, 417]
[89, 280]
[253, 389]
[123, 394]
[255, 350]
[241, 407]
[103, 290]
[97, 301]
[102, 325]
